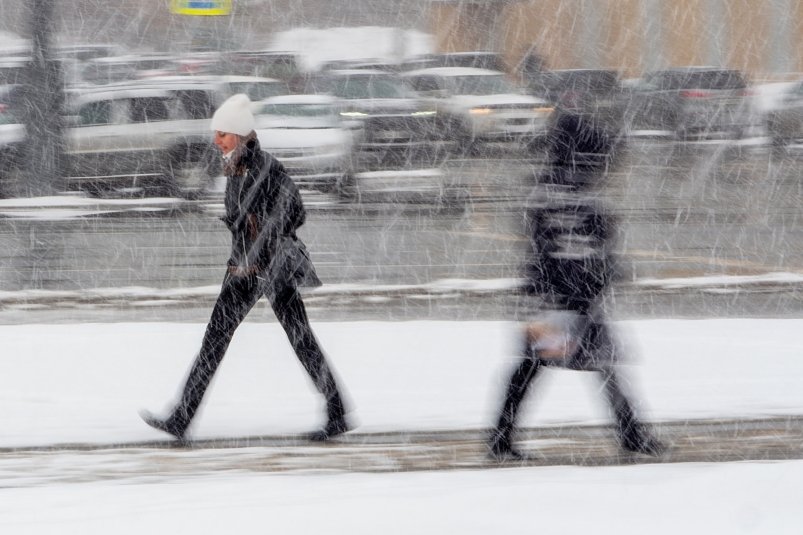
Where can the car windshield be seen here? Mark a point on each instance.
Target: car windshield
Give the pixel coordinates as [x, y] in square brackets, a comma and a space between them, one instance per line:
[699, 80]
[481, 85]
[320, 114]
[369, 87]
[259, 90]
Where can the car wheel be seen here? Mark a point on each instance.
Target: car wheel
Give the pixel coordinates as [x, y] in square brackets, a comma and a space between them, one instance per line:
[191, 171]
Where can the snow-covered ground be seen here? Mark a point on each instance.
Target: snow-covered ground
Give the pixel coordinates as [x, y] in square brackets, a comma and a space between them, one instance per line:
[86, 382]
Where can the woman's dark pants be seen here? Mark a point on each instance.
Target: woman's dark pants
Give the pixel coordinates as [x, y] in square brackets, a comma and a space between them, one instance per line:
[237, 297]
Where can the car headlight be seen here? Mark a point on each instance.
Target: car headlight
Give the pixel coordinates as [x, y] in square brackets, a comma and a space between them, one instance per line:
[353, 114]
[424, 113]
[544, 109]
[480, 111]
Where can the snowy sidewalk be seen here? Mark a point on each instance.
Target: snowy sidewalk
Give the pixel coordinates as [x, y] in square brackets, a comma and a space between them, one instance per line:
[86, 382]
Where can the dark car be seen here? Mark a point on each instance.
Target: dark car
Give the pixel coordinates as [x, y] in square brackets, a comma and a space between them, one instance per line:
[391, 124]
[693, 101]
[785, 120]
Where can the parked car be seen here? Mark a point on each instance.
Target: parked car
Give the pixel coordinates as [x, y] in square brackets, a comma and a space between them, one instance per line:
[693, 101]
[785, 120]
[153, 138]
[481, 106]
[305, 133]
[392, 126]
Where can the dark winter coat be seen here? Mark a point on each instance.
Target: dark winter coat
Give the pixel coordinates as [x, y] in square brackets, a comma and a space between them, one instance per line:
[570, 262]
[263, 212]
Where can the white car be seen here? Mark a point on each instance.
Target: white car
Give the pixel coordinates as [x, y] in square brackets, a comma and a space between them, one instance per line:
[305, 133]
[482, 105]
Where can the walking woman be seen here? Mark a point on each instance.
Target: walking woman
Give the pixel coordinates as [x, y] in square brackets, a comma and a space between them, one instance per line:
[570, 266]
[263, 211]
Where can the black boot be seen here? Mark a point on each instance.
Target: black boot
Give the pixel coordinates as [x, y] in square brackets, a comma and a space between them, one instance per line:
[500, 447]
[336, 423]
[332, 429]
[633, 436]
[169, 425]
[637, 439]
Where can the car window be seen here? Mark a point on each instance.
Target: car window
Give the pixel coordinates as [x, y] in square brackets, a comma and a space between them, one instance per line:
[148, 110]
[481, 85]
[6, 116]
[281, 68]
[195, 104]
[587, 81]
[12, 74]
[425, 83]
[259, 90]
[698, 80]
[368, 87]
[96, 113]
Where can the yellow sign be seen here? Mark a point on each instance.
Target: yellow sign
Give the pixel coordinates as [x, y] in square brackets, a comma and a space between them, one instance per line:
[200, 7]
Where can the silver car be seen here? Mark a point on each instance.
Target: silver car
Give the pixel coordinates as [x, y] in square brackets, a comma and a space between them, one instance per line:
[305, 133]
[482, 106]
[156, 139]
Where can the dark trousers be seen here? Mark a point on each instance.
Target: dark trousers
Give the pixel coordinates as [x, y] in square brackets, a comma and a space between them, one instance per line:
[595, 338]
[237, 297]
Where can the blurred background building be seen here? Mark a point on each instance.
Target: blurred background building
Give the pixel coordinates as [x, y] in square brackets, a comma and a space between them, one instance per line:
[760, 37]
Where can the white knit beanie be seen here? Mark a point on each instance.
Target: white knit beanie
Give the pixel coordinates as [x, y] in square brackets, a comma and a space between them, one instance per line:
[234, 116]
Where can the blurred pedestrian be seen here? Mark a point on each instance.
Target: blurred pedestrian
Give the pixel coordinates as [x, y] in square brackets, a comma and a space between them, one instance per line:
[263, 211]
[570, 266]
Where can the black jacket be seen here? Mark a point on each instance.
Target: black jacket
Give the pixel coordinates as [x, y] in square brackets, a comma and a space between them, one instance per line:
[263, 211]
[570, 261]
